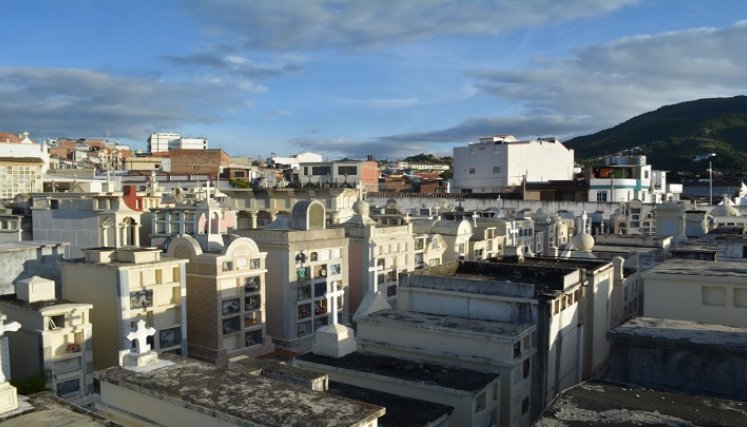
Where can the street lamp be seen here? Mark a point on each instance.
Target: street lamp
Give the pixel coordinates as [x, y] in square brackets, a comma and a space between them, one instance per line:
[708, 157]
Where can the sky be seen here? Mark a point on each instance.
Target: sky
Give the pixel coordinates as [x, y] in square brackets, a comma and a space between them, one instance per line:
[390, 78]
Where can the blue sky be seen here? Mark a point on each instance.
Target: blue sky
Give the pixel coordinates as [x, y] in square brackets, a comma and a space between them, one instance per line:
[389, 78]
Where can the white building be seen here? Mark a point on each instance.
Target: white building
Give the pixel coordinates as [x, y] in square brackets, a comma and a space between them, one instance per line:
[501, 161]
[293, 161]
[165, 141]
[625, 178]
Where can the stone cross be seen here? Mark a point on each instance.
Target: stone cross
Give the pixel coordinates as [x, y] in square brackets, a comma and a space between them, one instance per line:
[5, 327]
[141, 334]
[375, 269]
[332, 295]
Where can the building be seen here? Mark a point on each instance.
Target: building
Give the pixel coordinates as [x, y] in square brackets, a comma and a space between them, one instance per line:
[543, 296]
[165, 141]
[226, 289]
[199, 217]
[502, 348]
[198, 162]
[496, 163]
[680, 355]
[294, 161]
[379, 254]
[698, 291]
[340, 173]
[455, 233]
[625, 178]
[22, 260]
[305, 259]
[126, 285]
[474, 395]
[189, 392]
[88, 220]
[54, 341]
[20, 175]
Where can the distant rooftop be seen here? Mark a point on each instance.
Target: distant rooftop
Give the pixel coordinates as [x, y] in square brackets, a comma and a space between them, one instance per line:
[681, 332]
[425, 373]
[49, 410]
[449, 324]
[235, 393]
[702, 268]
[602, 404]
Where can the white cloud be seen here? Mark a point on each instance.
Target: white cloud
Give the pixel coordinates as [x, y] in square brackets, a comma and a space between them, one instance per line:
[356, 25]
[73, 102]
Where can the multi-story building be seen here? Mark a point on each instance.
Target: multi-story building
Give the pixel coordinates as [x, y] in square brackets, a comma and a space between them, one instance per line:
[226, 290]
[165, 141]
[502, 161]
[124, 286]
[624, 178]
[340, 172]
[294, 161]
[54, 341]
[304, 261]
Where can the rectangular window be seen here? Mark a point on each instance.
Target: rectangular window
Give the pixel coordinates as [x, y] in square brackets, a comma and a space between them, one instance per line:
[254, 263]
[251, 284]
[714, 296]
[231, 325]
[170, 337]
[252, 302]
[56, 322]
[321, 170]
[496, 170]
[471, 171]
[347, 170]
[601, 196]
[141, 299]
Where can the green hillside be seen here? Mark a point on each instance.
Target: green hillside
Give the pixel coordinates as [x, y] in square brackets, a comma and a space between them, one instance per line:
[673, 135]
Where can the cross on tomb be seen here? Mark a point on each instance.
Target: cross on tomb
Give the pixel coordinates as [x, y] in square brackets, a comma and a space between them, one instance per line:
[375, 269]
[141, 334]
[6, 327]
[332, 297]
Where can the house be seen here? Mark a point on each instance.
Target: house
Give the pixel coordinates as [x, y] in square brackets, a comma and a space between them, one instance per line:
[497, 163]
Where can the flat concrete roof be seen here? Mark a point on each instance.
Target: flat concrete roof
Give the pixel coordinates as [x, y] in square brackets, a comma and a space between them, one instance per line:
[28, 244]
[700, 268]
[653, 329]
[400, 411]
[456, 325]
[425, 373]
[603, 404]
[234, 392]
[49, 410]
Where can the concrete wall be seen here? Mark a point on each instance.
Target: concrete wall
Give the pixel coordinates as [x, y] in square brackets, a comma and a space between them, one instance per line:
[21, 261]
[688, 297]
[679, 367]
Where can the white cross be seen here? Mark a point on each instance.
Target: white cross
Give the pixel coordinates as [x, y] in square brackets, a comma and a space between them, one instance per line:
[332, 295]
[375, 269]
[6, 327]
[141, 334]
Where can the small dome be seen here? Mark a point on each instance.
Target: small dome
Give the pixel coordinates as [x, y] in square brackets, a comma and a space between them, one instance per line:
[725, 209]
[583, 242]
[361, 207]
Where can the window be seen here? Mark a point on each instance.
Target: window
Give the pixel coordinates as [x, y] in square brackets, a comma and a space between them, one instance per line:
[252, 302]
[347, 170]
[254, 263]
[714, 296]
[601, 196]
[141, 299]
[420, 243]
[471, 171]
[230, 306]
[496, 170]
[517, 349]
[525, 406]
[227, 265]
[169, 337]
[526, 368]
[56, 322]
[253, 338]
[321, 170]
[335, 269]
[231, 325]
[251, 284]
